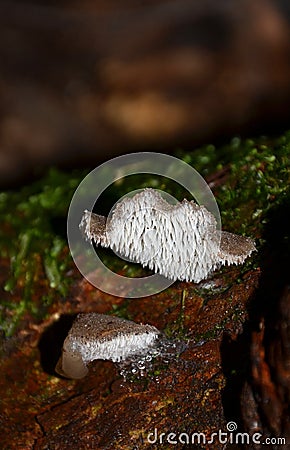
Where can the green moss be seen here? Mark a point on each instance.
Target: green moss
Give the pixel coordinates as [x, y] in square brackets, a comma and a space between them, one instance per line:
[121, 310]
[30, 239]
[256, 175]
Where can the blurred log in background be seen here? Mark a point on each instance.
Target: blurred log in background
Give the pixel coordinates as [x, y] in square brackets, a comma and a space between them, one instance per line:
[83, 81]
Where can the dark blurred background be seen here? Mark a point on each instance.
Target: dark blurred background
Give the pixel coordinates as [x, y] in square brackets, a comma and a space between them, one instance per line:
[81, 81]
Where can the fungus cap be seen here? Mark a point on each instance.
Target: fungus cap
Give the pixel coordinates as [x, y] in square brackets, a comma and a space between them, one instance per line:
[99, 336]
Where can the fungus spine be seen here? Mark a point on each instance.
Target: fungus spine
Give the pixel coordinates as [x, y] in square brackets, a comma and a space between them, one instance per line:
[178, 241]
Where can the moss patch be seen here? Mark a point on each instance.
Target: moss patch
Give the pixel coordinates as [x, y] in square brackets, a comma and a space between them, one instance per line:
[33, 241]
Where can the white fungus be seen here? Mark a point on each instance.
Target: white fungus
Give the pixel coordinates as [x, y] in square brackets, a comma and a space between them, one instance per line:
[178, 241]
[99, 336]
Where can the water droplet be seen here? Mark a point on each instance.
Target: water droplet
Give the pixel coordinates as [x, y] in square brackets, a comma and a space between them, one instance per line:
[141, 365]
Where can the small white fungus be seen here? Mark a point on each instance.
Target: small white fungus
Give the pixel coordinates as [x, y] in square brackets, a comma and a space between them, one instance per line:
[99, 336]
[178, 241]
